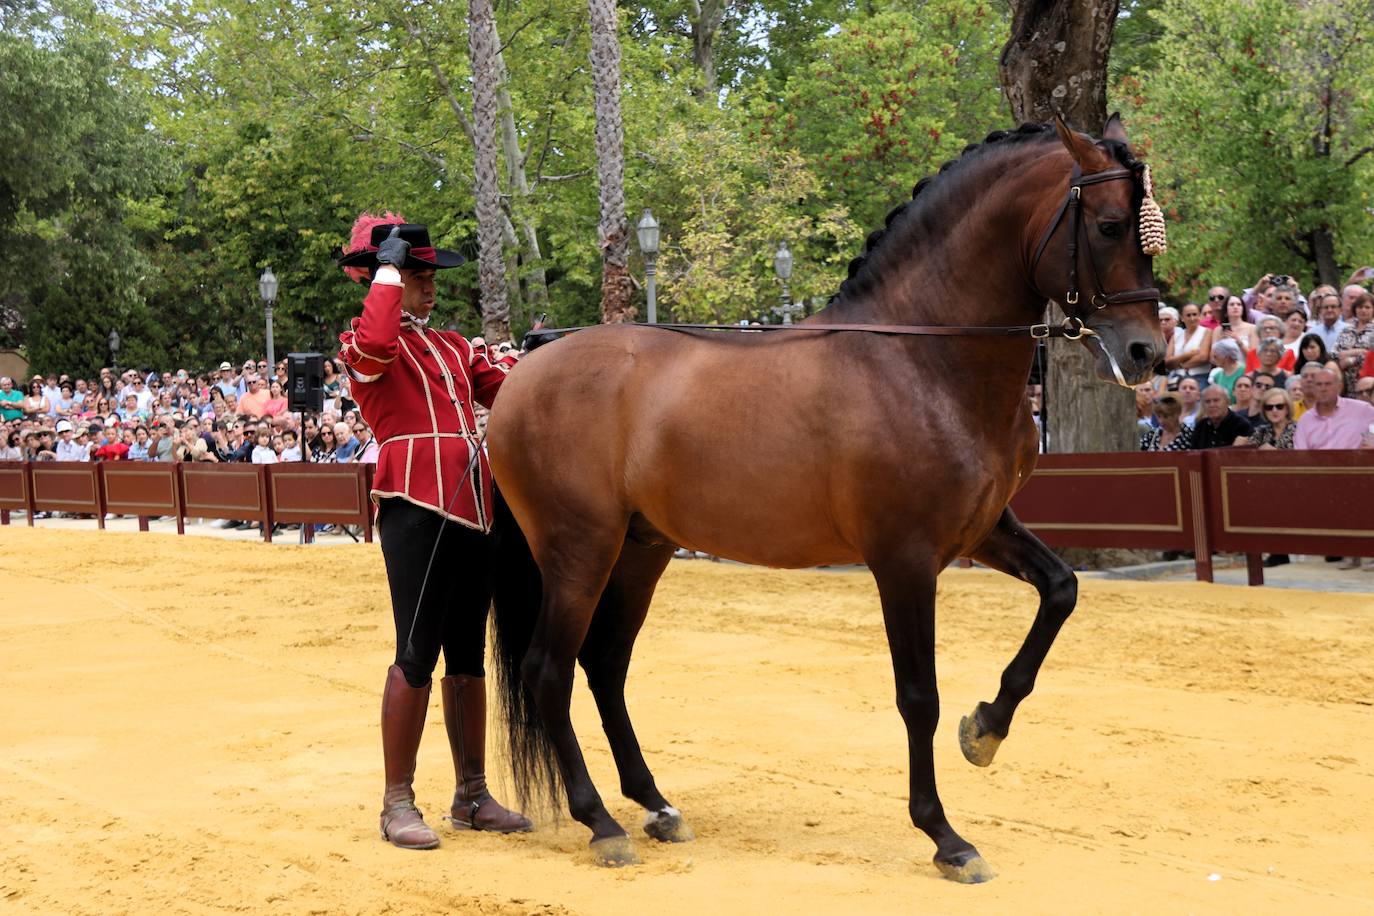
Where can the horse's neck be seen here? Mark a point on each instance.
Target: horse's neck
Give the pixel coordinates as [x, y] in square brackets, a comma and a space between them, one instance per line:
[961, 265]
[957, 265]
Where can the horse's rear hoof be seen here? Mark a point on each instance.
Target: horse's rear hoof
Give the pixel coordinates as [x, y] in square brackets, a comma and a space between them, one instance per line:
[973, 870]
[614, 852]
[667, 826]
[978, 744]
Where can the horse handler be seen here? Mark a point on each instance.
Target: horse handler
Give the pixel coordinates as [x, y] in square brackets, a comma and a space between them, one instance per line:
[415, 387]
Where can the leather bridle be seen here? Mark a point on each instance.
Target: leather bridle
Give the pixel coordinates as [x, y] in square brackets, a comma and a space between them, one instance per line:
[1073, 206]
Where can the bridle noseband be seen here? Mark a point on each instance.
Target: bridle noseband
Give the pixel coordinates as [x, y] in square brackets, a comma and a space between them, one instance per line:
[1073, 205]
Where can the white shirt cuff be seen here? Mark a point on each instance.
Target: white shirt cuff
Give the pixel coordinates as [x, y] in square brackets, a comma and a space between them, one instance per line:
[388, 275]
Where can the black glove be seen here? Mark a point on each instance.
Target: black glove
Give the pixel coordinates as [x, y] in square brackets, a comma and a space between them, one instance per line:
[394, 250]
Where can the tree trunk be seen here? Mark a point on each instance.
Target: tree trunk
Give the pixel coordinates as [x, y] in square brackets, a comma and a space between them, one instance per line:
[1323, 246]
[491, 277]
[1056, 60]
[614, 229]
[706, 18]
[536, 283]
[1056, 63]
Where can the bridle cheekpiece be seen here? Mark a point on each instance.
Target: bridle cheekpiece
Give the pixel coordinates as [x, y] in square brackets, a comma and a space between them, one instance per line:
[1152, 239]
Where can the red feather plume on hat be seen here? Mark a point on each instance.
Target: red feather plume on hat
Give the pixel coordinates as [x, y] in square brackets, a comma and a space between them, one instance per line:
[361, 239]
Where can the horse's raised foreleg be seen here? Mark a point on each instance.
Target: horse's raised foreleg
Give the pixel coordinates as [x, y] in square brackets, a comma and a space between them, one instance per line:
[572, 587]
[1013, 550]
[907, 588]
[605, 657]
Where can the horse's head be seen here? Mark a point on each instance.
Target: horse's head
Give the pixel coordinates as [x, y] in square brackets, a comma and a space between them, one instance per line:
[1091, 257]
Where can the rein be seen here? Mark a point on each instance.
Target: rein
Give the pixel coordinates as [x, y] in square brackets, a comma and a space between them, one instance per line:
[1071, 329]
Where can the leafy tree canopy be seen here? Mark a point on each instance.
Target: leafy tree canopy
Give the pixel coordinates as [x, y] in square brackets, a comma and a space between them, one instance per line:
[1260, 121]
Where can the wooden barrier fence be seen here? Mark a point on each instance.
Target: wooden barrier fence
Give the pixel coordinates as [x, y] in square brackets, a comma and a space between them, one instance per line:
[1245, 500]
[1143, 500]
[309, 494]
[1242, 500]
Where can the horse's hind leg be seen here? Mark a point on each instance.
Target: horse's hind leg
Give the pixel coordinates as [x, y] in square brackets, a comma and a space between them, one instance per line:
[906, 584]
[1013, 550]
[605, 658]
[574, 576]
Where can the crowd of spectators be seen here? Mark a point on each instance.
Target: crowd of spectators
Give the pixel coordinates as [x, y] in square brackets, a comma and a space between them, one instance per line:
[228, 414]
[1269, 368]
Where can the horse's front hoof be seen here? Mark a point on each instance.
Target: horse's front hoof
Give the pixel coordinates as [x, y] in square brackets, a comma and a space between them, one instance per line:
[667, 826]
[614, 852]
[978, 744]
[972, 870]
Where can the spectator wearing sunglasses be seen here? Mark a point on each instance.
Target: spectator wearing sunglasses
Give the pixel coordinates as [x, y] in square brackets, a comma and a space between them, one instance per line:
[254, 403]
[322, 449]
[367, 443]
[1277, 428]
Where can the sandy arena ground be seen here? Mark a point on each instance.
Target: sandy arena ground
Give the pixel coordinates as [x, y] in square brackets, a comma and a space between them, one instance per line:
[190, 726]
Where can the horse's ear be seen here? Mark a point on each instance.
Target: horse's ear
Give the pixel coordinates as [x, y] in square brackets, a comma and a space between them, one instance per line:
[1080, 146]
[1115, 130]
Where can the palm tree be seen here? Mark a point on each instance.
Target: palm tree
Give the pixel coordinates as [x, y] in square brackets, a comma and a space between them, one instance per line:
[614, 229]
[491, 271]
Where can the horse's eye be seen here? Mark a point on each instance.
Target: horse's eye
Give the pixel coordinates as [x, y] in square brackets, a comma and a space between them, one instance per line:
[1110, 230]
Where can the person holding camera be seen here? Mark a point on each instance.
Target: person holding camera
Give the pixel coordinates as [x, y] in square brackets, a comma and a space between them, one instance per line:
[1274, 294]
[415, 387]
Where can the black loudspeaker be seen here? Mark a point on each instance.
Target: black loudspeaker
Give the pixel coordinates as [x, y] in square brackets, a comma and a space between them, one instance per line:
[305, 382]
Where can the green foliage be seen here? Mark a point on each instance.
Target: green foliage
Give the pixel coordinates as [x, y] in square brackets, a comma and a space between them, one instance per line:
[70, 269]
[724, 205]
[1258, 120]
[1135, 41]
[889, 97]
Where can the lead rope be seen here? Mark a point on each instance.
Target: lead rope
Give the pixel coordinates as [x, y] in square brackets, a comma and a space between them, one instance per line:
[415, 618]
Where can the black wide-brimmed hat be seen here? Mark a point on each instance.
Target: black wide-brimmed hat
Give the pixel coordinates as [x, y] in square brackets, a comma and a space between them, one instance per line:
[423, 255]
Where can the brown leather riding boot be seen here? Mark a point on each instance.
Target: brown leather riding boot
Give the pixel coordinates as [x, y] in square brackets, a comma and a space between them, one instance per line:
[465, 715]
[403, 721]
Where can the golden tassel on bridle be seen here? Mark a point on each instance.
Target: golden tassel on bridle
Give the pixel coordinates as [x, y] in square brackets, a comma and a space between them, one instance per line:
[1152, 238]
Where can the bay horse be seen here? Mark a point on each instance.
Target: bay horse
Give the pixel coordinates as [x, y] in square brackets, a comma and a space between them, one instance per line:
[901, 451]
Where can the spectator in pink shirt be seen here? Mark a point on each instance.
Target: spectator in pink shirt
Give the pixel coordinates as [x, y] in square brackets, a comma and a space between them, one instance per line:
[1333, 421]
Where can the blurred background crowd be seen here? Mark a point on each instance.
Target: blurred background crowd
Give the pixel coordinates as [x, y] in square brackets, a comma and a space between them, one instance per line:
[230, 413]
[1245, 367]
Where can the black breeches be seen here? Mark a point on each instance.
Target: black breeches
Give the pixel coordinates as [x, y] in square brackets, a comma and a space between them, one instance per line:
[452, 612]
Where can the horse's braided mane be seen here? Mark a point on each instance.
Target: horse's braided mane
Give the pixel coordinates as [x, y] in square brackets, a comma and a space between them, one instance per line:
[857, 280]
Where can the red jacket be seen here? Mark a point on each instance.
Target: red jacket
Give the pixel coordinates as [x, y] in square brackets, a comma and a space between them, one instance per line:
[415, 388]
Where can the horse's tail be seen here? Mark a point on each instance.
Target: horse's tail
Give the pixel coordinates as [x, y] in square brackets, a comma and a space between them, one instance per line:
[517, 590]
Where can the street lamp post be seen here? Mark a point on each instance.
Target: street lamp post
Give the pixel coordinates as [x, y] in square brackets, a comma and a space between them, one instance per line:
[113, 341]
[267, 289]
[648, 243]
[782, 266]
